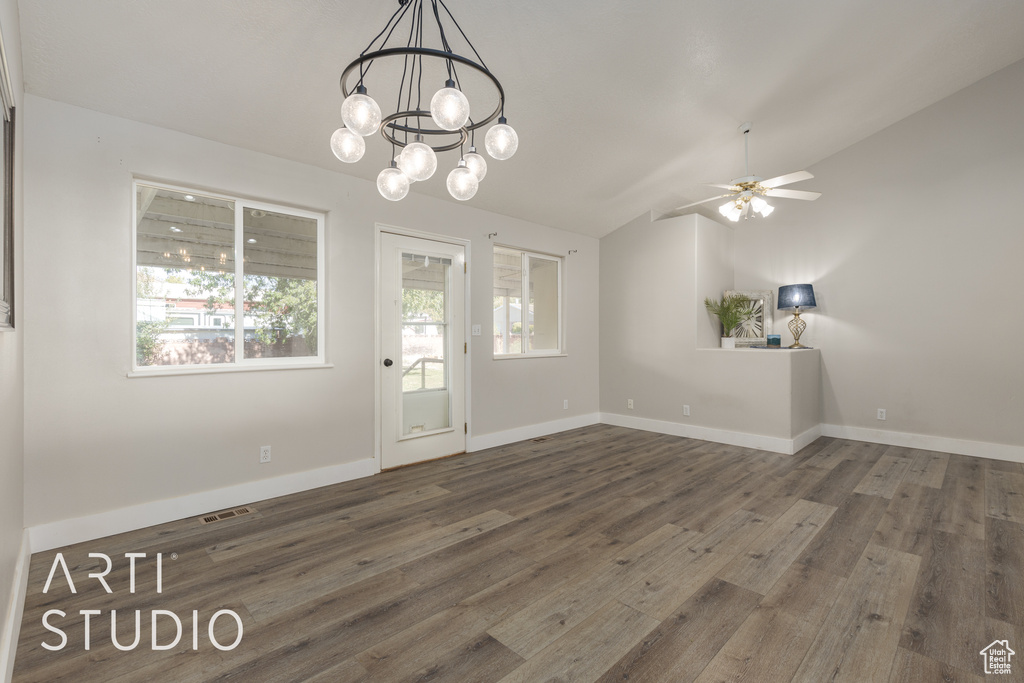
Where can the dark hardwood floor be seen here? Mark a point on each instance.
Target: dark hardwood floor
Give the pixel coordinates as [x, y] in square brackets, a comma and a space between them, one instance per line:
[600, 554]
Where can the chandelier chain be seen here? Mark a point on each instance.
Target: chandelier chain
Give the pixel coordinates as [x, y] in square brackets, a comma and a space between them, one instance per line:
[392, 25]
[451, 65]
[464, 36]
[444, 38]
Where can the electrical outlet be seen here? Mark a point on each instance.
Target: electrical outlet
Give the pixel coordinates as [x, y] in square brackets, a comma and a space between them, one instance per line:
[629, 403]
[476, 330]
[264, 454]
[881, 413]
[686, 411]
[565, 404]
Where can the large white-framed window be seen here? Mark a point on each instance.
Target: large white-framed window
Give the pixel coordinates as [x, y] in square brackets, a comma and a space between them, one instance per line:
[198, 307]
[527, 303]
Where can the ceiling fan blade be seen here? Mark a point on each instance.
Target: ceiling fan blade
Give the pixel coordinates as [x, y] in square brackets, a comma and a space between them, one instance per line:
[794, 177]
[709, 199]
[734, 188]
[793, 194]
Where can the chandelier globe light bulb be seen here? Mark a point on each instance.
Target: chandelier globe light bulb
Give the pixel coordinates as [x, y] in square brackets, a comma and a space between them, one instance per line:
[462, 182]
[361, 113]
[347, 145]
[392, 184]
[418, 160]
[476, 163]
[449, 107]
[501, 141]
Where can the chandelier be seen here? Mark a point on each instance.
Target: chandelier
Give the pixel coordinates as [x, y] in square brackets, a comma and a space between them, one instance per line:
[417, 132]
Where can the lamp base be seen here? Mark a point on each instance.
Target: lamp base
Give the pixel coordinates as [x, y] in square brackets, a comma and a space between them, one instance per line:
[796, 328]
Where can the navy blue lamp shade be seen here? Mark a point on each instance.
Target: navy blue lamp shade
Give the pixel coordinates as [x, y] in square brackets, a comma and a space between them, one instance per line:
[796, 296]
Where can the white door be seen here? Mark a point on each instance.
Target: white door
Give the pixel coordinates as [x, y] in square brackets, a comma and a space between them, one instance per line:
[423, 352]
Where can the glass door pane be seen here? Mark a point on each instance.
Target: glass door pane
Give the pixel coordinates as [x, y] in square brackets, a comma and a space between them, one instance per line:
[426, 402]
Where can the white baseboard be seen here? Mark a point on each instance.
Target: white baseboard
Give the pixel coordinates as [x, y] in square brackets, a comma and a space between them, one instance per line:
[764, 443]
[15, 610]
[801, 441]
[479, 443]
[68, 531]
[942, 444]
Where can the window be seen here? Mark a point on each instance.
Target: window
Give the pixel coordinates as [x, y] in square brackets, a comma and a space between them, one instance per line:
[527, 322]
[261, 309]
[7, 188]
[7, 227]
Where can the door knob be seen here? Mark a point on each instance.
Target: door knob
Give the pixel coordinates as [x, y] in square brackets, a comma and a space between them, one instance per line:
[388, 362]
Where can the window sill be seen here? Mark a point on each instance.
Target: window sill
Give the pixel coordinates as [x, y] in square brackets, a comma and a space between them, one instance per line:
[520, 356]
[755, 349]
[215, 370]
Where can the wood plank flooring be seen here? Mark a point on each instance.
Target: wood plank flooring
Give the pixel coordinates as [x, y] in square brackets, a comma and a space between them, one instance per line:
[599, 554]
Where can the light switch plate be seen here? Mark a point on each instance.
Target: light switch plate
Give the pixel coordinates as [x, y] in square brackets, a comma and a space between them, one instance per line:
[476, 330]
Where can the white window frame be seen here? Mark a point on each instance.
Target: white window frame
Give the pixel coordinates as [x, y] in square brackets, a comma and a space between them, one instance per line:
[7, 187]
[524, 352]
[240, 363]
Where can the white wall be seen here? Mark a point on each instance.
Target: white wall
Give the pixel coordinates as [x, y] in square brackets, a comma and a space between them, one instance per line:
[11, 364]
[915, 252]
[659, 346]
[96, 440]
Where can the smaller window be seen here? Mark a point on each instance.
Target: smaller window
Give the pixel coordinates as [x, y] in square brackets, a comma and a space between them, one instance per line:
[527, 319]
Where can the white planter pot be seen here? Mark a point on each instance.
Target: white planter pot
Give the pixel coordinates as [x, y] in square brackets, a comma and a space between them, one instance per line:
[728, 342]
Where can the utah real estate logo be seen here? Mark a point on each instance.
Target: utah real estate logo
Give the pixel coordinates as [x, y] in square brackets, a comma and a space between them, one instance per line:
[997, 656]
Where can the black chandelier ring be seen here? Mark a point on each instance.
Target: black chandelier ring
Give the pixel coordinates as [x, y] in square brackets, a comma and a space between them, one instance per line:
[369, 57]
[389, 129]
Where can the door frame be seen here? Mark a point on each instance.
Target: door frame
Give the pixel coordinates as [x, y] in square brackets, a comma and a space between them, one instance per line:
[379, 229]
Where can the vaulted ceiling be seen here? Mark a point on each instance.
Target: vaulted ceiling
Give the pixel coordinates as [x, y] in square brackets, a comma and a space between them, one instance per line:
[621, 107]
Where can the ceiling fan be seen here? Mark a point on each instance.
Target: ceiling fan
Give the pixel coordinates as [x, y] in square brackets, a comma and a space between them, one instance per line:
[746, 195]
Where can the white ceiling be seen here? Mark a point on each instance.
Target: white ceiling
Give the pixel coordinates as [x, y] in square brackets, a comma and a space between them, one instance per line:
[621, 107]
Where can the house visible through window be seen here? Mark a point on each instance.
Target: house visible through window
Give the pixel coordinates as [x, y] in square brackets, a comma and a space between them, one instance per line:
[189, 309]
[527, 320]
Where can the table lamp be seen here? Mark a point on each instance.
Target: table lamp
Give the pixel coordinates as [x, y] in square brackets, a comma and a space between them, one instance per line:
[794, 298]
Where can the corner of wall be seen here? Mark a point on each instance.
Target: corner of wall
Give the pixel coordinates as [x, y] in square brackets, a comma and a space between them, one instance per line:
[713, 273]
[11, 628]
[14, 550]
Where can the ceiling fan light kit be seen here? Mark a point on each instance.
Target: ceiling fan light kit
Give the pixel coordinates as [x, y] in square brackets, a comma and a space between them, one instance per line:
[447, 121]
[746, 195]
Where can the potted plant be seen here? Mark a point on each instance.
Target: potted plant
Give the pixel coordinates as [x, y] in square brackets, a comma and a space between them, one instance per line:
[730, 311]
